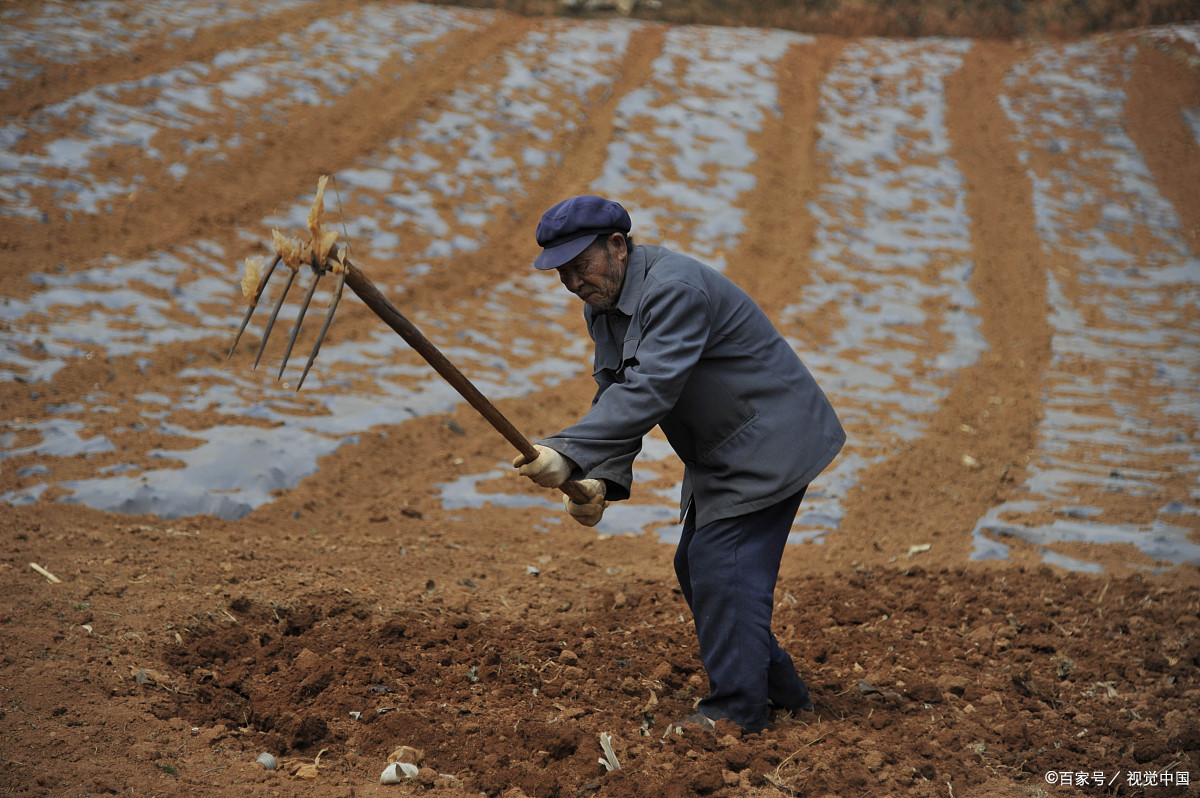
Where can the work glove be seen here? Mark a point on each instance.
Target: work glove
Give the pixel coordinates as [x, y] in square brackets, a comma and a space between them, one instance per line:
[550, 469]
[588, 514]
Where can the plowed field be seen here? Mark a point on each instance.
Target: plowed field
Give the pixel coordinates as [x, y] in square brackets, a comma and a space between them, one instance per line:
[986, 251]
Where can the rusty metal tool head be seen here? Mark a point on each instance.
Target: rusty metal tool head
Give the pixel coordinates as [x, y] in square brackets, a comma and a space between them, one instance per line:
[322, 256]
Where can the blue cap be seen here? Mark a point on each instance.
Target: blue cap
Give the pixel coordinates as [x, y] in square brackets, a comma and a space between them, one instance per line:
[573, 224]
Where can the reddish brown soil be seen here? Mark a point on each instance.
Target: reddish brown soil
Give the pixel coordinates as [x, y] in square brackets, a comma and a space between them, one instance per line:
[171, 656]
[354, 615]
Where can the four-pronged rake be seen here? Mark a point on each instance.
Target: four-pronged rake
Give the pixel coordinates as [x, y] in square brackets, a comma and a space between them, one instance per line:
[318, 272]
[322, 256]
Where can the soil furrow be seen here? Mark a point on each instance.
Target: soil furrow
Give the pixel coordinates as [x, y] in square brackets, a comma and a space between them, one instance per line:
[248, 182]
[59, 81]
[771, 264]
[1162, 89]
[991, 409]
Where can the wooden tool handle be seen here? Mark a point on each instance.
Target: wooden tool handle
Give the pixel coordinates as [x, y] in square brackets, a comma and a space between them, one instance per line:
[374, 299]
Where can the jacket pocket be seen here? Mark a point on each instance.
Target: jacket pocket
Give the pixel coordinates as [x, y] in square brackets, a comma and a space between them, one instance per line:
[609, 363]
[734, 442]
[629, 352]
[712, 411]
[606, 362]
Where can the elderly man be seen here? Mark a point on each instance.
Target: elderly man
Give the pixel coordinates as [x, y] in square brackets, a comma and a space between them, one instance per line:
[680, 346]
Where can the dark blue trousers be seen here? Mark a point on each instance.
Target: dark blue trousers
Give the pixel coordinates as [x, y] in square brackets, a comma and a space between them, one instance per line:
[727, 571]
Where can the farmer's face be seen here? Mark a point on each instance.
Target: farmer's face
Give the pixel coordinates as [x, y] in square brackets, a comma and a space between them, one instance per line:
[596, 274]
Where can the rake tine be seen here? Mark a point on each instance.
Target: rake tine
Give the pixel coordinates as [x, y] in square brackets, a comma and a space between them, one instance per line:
[312, 289]
[274, 312]
[337, 296]
[242, 329]
[254, 303]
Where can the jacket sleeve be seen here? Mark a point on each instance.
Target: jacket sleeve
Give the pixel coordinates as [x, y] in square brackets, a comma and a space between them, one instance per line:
[649, 375]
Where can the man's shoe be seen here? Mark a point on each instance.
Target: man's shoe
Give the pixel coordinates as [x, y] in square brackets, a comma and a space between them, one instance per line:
[789, 692]
[696, 721]
[782, 712]
[778, 714]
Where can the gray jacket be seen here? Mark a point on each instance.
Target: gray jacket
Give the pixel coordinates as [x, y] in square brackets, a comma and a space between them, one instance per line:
[688, 350]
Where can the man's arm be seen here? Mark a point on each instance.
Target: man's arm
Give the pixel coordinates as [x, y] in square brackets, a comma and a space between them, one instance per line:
[675, 326]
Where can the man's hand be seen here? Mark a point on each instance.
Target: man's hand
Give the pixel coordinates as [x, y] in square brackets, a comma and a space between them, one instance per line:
[549, 470]
[588, 514]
